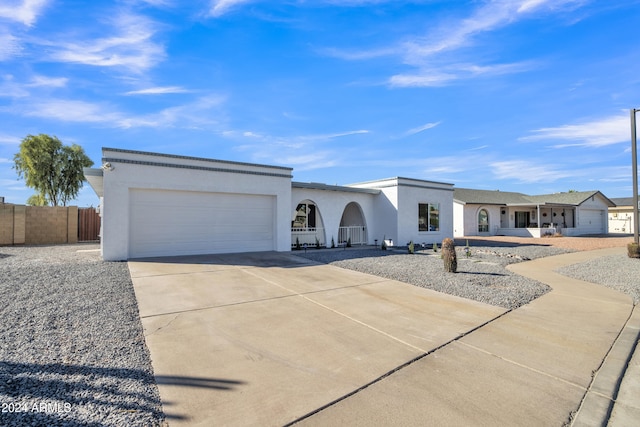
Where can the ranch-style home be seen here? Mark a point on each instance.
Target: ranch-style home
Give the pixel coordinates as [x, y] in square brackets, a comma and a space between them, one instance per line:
[163, 205]
[502, 213]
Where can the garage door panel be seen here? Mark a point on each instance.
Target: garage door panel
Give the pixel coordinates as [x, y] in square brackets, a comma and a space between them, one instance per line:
[184, 222]
[592, 221]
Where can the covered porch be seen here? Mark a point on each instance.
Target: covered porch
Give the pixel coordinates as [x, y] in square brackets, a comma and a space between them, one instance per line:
[537, 220]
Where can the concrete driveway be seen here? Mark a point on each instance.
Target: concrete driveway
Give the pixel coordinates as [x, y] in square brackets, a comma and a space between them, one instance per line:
[272, 339]
[264, 339]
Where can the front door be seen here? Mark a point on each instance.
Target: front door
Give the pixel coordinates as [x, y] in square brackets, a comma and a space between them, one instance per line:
[522, 219]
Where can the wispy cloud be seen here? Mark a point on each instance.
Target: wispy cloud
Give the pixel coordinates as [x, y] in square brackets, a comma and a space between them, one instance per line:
[159, 90]
[422, 128]
[9, 140]
[287, 149]
[25, 11]
[220, 7]
[597, 133]
[130, 47]
[192, 115]
[44, 81]
[433, 77]
[9, 46]
[529, 172]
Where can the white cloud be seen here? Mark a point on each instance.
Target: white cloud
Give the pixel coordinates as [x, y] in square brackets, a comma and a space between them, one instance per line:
[71, 111]
[160, 90]
[422, 128]
[130, 47]
[439, 77]
[9, 46]
[39, 81]
[528, 171]
[220, 7]
[9, 140]
[598, 133]
[25, 11]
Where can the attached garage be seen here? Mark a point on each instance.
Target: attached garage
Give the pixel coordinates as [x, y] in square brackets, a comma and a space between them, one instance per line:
[164, 205]
[165, 222]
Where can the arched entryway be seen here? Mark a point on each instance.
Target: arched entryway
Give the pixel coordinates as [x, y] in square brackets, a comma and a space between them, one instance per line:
[483, 221]
[353, 228]
[307, 226]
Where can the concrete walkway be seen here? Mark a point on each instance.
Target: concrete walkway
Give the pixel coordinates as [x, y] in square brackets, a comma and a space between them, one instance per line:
[273, 339]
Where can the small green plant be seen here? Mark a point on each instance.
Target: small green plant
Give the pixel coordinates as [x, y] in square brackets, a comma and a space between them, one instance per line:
[435, 247]
[411, 247]
[383, 246]
[317, 243]
[297, 244]
[467, 250]
[333, 244]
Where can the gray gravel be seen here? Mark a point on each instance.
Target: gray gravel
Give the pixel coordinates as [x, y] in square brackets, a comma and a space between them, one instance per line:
[72, 350]
[481, 277]
[617, 272]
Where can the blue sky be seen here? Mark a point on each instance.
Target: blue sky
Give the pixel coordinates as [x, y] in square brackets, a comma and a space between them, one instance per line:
[530, 95]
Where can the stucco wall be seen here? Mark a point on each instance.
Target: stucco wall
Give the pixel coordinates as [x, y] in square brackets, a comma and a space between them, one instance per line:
[331, 205]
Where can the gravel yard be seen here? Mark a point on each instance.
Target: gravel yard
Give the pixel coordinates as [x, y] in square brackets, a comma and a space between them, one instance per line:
[481, 277]
[72, 349]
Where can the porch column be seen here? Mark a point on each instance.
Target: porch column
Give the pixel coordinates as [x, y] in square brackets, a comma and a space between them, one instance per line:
[539, 218]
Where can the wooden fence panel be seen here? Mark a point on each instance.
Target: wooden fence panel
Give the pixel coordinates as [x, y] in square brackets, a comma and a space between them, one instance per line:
[88, 225]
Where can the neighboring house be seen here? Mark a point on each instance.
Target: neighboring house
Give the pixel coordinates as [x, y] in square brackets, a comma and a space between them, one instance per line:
[162, 205]
[621, 215]
[490, 213]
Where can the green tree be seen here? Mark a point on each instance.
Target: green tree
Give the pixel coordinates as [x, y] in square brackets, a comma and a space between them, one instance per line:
[52, 169]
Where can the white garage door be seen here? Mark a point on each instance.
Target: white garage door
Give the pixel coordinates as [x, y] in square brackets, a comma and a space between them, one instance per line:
[185, 222]
[592, 221]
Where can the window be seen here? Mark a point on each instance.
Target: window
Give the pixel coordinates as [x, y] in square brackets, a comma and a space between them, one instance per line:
[428, 217]
[305, 216]
[483, 221]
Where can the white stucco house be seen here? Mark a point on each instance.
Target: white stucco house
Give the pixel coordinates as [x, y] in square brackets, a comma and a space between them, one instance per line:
[491, 213]
[163, 205]
[621, 216]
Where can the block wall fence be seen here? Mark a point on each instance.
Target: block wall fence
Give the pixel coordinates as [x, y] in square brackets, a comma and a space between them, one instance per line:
[38, 225]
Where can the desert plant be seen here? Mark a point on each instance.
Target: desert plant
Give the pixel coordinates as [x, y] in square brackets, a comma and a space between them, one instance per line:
[298, 244]
[449, 256]
[411, 248]
[633, 250]
[333, 244]
[349, 242]
[317, 243]
[435, 247]
[383, 246]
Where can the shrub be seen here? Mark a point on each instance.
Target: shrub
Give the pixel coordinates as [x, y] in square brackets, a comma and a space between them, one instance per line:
[435, 247]
[317, 243]
[297, 244]
[633, 250]
[383, 246]
[411, 247]
[449, 256]
[349, 242]
[333, 244]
